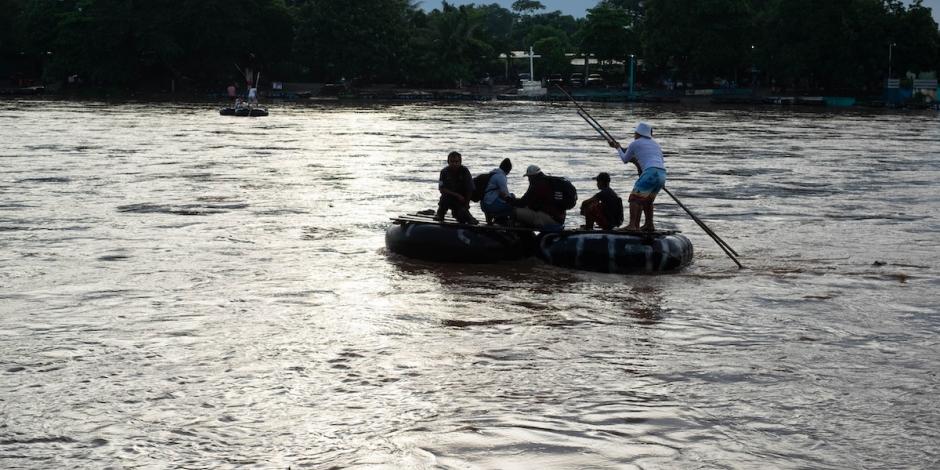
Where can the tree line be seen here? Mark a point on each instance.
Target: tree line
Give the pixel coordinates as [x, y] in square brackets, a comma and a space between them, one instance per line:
[197, 44]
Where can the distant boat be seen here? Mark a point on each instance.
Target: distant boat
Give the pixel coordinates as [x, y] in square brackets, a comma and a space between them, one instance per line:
[243, 112]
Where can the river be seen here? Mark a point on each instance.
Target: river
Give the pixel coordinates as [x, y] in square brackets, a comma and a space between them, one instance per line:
[184, 290]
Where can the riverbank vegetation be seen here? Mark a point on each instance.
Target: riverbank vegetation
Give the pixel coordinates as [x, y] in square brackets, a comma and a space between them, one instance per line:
[203, 44]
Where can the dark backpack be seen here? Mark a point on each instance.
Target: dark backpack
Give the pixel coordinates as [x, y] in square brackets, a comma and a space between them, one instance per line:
[615, 212]
[563, 192]
[480, 182]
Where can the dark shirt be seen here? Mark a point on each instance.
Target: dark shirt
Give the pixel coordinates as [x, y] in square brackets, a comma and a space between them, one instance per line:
[613, 209]
[541, 197]
[458, 181]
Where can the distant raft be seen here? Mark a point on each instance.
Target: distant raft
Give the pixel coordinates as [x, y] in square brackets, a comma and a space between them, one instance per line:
[243, 112]
[616, 251]
[419, 236]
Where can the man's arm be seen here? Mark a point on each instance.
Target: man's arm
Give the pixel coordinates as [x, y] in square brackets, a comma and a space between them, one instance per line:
[445, 191]
[524, 200]
[468, 186]
[460, 197]
[502, 185]
[626, 155]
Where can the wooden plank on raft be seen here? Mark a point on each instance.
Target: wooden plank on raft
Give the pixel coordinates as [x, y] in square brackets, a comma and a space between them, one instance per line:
[451, 222]
[617, 231]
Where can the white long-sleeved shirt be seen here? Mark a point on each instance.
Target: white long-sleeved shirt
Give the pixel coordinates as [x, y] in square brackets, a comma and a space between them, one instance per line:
[647, 153]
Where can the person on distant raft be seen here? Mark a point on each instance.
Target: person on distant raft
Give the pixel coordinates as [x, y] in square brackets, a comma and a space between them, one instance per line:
[455, 184]
[496, 197]
[538, 207]
[604, 208]
[253, 95]
[647, 155]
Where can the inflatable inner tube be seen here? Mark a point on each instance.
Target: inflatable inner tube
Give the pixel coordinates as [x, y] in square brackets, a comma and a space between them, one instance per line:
[616, 252]
[455, 243]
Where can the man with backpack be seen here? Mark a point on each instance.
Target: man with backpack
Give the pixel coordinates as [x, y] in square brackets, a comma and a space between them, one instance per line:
[492, 190]
[605, 208]
[544, 204]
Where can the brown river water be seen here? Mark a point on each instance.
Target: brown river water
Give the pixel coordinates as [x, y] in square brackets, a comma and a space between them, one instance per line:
[184, 290]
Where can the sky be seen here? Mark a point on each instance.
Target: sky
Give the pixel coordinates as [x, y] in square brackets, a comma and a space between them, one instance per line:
[577, 8]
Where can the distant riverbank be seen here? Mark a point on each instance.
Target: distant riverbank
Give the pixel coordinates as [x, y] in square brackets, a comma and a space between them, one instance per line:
[316, 92]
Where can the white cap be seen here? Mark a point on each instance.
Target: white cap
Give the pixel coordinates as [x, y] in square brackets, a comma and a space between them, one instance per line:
[644, 129]
[532, 170]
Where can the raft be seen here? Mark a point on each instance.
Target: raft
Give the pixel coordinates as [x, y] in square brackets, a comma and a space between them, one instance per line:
[242, 112]
[421, 237]
[613, 251]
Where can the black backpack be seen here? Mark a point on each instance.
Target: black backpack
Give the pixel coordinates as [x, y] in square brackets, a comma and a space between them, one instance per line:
[564, 193]
[480, 182]
[615, 212]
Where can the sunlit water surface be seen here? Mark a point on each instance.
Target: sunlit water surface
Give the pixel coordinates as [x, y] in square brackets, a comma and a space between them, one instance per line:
[180, 289]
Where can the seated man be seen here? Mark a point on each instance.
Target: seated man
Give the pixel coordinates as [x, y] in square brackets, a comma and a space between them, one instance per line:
[496, 197]
[455, 184]
[538, 207]
[605, 208]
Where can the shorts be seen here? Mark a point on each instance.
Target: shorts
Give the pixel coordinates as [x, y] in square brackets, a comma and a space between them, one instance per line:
[647, 186]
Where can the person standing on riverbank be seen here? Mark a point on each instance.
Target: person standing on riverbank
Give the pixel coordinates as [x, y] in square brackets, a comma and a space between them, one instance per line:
[455, 184]
[646, 154]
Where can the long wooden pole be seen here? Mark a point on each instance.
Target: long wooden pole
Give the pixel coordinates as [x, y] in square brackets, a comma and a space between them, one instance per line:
[610, 139]
[721, 243]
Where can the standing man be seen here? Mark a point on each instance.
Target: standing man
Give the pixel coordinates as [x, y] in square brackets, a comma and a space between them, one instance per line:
[455, 184]
[647, 155]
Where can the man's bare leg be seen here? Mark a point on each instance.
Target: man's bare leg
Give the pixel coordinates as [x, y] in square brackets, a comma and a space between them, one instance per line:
[648, 212]
[635, 212]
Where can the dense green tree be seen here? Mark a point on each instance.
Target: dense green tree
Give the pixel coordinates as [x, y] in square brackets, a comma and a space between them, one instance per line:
[496, 27]
[117, 43]
[610, 33]
[451, 50]
[365, 39]
[554, 59]
[527, 6]
[831, 45]
[698, 39]
[915, 36]
[137, 44]
[10, 47]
